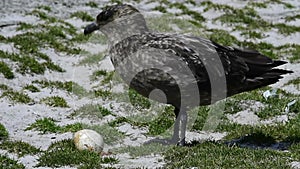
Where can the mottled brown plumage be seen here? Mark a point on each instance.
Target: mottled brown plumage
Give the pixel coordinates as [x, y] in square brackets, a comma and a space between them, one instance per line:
[176, 63]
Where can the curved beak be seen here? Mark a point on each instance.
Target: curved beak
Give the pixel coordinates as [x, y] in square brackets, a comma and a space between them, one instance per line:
[90, 28]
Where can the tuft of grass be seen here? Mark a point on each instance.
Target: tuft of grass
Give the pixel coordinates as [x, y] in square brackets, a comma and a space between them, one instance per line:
[64, 153]
[15, 96]
[92, 59]
[25, 26]
[222, 37]
[218, 155]
[143, 150]
[163, 122]
[69, 86]
[3, 132]
[6, 71]
[138, 101]
[19, 147]
[105, 94]
[110, 134]
[292, 18]
[46, 8]
[287, 29]
[31, 88]
[8, 163]
[55, 101]
[83, 16]
[92, 111]
[92, 4]
[295, 82]
[42, 15]
[48, 125]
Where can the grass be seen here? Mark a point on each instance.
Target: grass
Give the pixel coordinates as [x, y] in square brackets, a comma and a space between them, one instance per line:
[48, 125]
[19, 148]
[83, 16]
[15, 96]
[31, 88]
[144, 150]
[3, 132]
[6, 70]
[7, 163]
[92, 4]
[110, 134]
[68, 86]
[53, 33]
[64, 153]
[55, 101]
[217, 155]
[92, 111]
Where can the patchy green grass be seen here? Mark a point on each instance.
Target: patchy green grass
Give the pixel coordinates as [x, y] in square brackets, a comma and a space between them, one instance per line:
[69, 86]
[163, 122]
[54, 101]
[110, 134]
[15, 96]
[217, 155]
[138, 151]
[92, 4]
[92, 111]
[3, 132]
[7, 163]
[6, 70]
[64, 153]
[19, 148]
[48, 125]
[83, 16]
[138, 101]
[295, 82]
[31, 88]
[44, 7]
[92, 59]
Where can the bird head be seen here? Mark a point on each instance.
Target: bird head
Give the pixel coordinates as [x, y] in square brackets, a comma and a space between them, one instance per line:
[118, 21]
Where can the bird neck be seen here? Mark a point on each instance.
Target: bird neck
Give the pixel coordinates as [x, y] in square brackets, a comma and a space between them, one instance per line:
[124, 27]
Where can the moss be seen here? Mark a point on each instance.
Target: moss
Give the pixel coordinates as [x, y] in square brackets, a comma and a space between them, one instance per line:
[20, 148]
[55, 101]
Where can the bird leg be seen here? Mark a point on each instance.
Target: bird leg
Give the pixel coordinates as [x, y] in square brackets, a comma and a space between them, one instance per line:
[178, 137]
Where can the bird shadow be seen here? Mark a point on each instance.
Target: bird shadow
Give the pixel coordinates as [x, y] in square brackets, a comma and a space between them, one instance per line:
[256, 141]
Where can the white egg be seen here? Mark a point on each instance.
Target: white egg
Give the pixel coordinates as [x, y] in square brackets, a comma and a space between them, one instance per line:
[88, 140]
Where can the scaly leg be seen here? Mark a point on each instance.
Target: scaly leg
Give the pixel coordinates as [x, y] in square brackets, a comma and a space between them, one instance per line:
[178, 133]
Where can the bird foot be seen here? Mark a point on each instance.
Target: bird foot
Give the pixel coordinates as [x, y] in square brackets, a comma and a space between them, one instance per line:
[171, 141]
